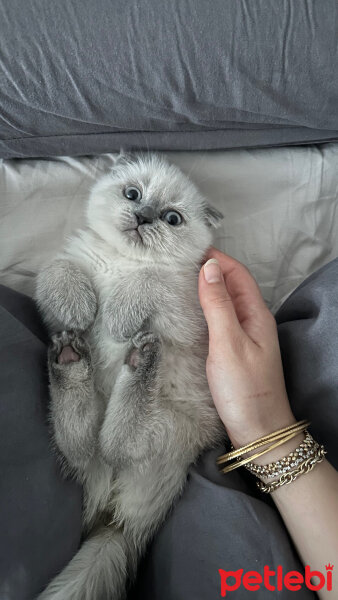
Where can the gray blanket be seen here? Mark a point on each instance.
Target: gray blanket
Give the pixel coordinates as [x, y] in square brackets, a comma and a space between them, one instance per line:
[221, 521]
[88, 77]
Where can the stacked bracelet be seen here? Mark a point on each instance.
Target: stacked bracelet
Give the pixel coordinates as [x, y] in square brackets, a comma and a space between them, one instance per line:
[286, 478]
[282, 436]
[305, 450]
[301, 460]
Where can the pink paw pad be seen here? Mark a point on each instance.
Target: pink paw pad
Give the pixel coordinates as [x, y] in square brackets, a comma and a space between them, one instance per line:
[134, 358]
[67, 355]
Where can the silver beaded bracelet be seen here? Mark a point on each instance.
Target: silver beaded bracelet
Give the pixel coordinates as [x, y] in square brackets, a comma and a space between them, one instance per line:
[306, 449]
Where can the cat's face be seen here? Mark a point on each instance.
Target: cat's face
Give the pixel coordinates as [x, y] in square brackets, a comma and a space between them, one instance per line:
[148, 208]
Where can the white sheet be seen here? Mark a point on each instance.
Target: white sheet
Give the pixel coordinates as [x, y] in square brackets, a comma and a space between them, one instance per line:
[280, 208]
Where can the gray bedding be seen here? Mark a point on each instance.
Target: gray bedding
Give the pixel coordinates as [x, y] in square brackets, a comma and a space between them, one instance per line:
[80, 78]
[220, 522]
[40, 512]
[89, 77]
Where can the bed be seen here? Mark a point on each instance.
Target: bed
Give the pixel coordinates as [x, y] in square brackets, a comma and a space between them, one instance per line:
[243, 97]
[280, 219]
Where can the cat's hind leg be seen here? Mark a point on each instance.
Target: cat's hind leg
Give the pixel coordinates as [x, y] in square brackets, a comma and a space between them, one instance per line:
[124, 435]
[75, 411]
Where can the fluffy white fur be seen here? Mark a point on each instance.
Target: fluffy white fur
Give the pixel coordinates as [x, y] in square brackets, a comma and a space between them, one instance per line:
[135, 411]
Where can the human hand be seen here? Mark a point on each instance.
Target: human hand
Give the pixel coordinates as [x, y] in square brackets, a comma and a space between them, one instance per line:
[244, 366]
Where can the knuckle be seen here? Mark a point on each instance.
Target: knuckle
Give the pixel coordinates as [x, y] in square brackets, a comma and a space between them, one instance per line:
[220, 300]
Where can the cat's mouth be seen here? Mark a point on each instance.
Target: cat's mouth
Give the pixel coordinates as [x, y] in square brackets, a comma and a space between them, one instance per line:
[134, 234]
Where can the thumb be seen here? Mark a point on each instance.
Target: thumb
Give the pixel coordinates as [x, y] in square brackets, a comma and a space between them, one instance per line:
[216, 303]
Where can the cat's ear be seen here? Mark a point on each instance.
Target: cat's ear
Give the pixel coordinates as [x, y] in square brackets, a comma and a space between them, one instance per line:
[123, 158]
[213, 216]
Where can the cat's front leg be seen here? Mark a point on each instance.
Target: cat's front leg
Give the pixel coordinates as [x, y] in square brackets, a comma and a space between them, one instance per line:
[75, 411]
[65, 296]
[130, 420]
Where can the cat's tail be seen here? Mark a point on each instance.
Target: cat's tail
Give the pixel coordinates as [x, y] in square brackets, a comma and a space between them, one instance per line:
[97, 572]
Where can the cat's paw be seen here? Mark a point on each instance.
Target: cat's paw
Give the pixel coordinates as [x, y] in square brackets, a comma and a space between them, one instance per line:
[68, 351]
[142, 339]
[144, 351]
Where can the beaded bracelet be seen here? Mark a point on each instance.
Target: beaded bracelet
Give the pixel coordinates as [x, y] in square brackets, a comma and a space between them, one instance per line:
[305, 450]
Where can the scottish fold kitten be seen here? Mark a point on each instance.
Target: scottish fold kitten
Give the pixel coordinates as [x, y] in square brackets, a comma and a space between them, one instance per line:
[130, 404]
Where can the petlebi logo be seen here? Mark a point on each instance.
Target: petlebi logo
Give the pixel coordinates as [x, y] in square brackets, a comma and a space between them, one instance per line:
[275, 580]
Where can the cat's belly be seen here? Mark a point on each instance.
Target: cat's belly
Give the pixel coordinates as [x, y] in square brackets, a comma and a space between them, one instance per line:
[107, 358]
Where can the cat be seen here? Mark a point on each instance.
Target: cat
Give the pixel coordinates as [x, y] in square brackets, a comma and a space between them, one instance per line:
[130, 405]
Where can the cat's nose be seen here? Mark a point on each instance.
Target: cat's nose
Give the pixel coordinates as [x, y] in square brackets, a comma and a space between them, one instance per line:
[146, 214]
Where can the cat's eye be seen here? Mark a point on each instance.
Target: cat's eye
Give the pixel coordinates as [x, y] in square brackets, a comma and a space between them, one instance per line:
[132, 193]
[172, 217]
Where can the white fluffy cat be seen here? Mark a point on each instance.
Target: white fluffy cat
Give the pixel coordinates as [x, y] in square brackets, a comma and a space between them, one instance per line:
[130, 404]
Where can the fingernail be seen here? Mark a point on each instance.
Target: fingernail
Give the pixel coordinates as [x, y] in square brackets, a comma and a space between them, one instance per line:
[212, 271]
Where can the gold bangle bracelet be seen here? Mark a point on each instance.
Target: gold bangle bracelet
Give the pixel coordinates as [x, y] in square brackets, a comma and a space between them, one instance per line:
[244, 461]
[296, 427]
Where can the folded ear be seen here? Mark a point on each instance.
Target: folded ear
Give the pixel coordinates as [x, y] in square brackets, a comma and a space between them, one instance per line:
[123, 158]
[213, 216]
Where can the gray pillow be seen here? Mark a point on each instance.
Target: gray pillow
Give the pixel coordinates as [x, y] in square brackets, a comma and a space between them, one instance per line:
[92, 76]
